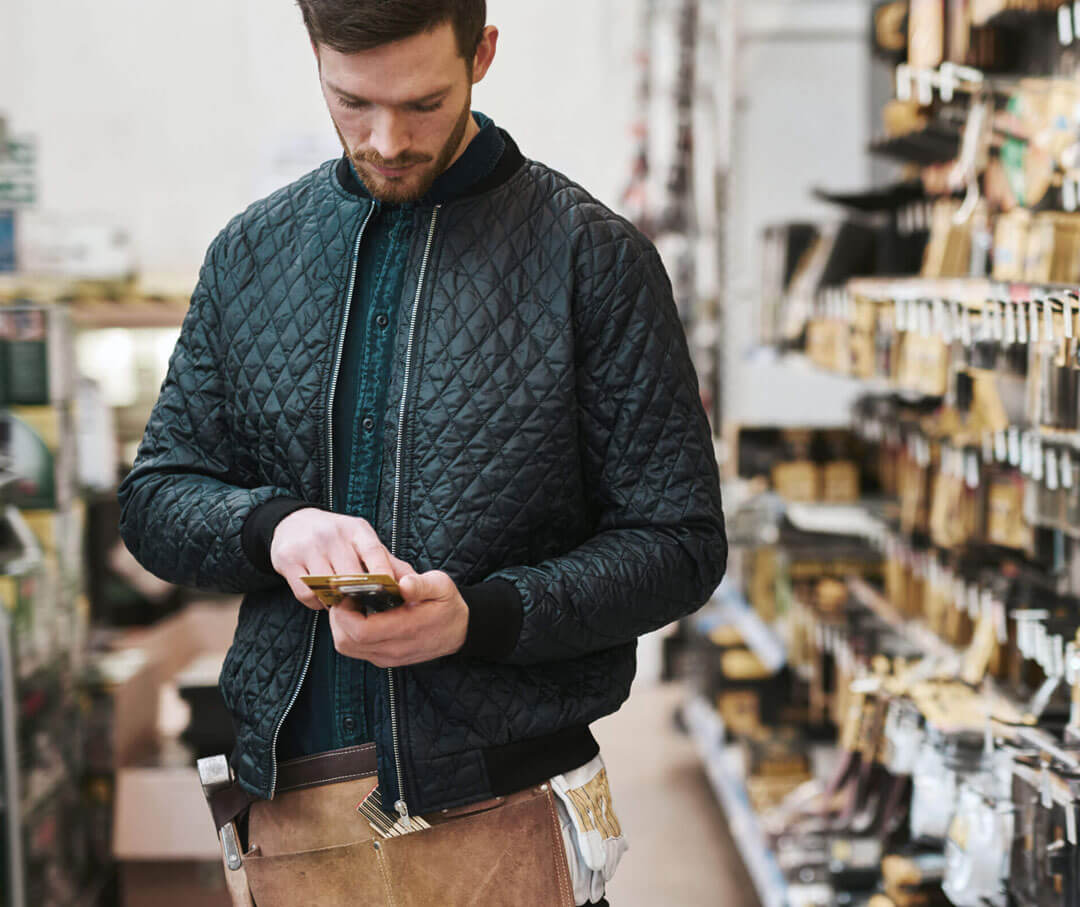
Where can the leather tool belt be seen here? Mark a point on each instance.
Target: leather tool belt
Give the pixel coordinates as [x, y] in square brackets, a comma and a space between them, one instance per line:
[312, 845]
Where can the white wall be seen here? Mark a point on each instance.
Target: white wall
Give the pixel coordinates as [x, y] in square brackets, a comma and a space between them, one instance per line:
[802, 120]
[167, 119]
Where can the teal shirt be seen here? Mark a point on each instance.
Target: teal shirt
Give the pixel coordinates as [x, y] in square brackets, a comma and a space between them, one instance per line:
[340, 695]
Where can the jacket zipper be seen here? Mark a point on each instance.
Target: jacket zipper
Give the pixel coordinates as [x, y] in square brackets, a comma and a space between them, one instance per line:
[329, 484]
[401, 806]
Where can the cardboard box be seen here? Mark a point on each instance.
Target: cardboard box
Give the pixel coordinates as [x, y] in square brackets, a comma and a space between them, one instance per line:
[167, 647]
[164, 841]
[163, 837]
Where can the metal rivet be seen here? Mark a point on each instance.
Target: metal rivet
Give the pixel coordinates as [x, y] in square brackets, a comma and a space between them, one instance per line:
[376, 845]
[543, 787]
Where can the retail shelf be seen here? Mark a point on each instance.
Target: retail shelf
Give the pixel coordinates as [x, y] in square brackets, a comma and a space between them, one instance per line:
[728, 605]
[1001, 704]
[724, 771]
[972, 290]
[95, 315]
[918, 633]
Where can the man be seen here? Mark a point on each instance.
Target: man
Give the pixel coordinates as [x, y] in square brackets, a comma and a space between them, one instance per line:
[436, 360]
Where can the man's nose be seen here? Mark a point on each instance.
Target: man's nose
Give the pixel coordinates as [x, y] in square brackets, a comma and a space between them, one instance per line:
[389, 135]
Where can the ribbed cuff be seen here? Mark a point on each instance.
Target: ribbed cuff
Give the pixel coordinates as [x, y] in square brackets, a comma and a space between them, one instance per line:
[495, 615]
[258, 531]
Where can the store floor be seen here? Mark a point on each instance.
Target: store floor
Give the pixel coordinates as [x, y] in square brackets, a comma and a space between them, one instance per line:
[681, 852]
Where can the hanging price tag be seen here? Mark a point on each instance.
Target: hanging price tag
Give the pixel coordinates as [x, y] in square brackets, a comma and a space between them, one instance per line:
[1067, 310]
[1021, 323]
[998, 315]
[988, 447]
[965, 325]
[1065, 29]
[971, 479]
[1033, 314]
[973, 602]
[1010, 323]
[1026, 454]
[1051, 469]
[1000, 623]
[1001, 447]
[1048, 321]
[1066, 470]
[926, 327]
[1016, 453]
[1036, 459]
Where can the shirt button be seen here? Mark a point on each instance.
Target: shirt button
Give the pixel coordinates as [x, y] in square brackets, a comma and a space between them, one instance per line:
[382, 321]
[368, 423]
[349, 724]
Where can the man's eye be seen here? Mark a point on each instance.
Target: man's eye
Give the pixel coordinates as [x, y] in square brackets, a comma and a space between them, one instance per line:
[353, 105]
[427, 108]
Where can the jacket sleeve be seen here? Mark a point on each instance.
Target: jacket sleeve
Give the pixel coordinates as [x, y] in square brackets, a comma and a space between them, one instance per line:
[182, 507]
[659, 548]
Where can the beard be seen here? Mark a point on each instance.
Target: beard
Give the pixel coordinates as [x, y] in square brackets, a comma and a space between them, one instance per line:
[414, 185]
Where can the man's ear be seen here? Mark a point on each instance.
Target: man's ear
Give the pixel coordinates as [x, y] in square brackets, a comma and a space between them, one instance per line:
[485, 53]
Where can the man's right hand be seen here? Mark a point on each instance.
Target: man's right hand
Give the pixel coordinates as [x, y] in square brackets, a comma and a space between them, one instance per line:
[312, 542]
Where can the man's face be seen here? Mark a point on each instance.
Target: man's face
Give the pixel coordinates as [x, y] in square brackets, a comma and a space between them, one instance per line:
[402, 110]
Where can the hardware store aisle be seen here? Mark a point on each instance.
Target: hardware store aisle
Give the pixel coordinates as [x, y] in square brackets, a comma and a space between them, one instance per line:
[681, 853]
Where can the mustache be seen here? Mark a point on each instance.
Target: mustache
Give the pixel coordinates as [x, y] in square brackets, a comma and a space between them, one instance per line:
[405, 160]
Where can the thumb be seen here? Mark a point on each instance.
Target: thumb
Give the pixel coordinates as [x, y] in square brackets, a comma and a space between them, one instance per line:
[421, 587]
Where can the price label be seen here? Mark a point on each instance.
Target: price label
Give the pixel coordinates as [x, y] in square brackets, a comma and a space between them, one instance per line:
[971, 477]
[1048, 321]
[1066, 470]
[1015, 447]
[1021, 324]
[973, 602]
[965, 325]
[1051, 469]
[1000, 623]
[1033, 313]
[1010, 323]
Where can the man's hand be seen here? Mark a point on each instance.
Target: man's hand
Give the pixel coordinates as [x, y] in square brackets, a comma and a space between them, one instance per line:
[432, 623]
[312, 542]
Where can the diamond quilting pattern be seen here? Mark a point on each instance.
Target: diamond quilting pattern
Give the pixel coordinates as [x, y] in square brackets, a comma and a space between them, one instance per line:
[552, 438]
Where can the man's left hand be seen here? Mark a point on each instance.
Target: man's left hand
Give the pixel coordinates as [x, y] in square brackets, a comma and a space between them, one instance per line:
[432, 623]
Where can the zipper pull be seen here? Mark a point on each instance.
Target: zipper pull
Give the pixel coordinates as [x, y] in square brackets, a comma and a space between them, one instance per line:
[402, 810]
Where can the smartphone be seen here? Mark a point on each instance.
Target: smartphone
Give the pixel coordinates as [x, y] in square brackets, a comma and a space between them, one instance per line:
[368, 593]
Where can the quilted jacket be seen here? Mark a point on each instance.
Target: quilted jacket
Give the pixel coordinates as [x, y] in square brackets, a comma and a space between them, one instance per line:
[544, 444]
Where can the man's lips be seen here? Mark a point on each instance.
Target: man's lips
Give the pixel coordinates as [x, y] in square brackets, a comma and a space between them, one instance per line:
[391, 172]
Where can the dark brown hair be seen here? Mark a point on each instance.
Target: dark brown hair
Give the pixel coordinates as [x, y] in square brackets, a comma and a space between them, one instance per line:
[352, 26]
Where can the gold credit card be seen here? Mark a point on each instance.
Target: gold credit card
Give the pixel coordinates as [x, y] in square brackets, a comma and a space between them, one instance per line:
[370, 592]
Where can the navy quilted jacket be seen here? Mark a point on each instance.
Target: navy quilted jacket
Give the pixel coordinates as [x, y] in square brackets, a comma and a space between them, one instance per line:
[544, 444]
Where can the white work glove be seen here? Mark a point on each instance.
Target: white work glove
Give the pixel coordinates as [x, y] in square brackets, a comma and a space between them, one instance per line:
[591, 831]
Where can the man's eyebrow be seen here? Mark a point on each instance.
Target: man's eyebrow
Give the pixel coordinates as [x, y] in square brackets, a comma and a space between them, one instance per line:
[427, 99]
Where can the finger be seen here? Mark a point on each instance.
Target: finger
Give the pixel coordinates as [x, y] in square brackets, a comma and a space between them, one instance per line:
[401, 568]
[349, 622]
[302, 593]
[344, 560]
[422, 587]
[375, 557]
